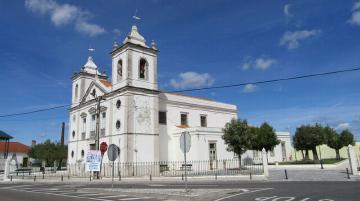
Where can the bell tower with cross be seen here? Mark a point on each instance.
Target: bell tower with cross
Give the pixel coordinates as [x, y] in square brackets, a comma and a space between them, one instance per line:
[134, 63]
[134, 77]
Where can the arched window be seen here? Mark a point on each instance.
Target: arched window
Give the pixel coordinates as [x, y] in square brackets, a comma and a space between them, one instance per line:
[72, 154]
[73, 134]
[118, 124]
[119, 70]
[118, 104]
[82, 153]
[143, 69]
[76, 93]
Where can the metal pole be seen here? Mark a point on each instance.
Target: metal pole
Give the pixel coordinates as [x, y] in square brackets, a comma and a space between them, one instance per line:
[112, 180]
[97, 136]
[185, 162]
[347, 173]
[286, 175]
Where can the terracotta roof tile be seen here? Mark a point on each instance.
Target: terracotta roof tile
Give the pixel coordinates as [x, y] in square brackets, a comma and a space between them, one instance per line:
[106, 83]
[15, 147]
[183, 126]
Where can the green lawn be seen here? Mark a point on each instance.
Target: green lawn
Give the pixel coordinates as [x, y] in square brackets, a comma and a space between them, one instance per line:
[324, 161]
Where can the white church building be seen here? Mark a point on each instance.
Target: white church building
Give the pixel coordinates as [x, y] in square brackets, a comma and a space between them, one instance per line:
[143, 121]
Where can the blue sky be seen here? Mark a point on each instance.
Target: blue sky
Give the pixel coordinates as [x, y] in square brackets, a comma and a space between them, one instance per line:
[201, 43]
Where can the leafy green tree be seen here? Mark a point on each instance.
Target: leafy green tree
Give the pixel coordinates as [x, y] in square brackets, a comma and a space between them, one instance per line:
[264, 137]
[49, 152]
[347, 138]
[308, 137]
[337, 141]
[333, 140]
[317, 138]
[237, 137]
[299, 141]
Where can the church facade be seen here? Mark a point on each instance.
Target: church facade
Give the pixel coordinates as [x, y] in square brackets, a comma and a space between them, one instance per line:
[143, 121]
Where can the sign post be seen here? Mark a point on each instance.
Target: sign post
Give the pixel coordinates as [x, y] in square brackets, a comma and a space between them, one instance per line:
[103, 149]
[185, 144]
[113, 153]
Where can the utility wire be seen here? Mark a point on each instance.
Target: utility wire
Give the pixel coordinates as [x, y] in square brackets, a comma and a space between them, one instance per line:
[268, 81]
[34, 111]
[208, 88]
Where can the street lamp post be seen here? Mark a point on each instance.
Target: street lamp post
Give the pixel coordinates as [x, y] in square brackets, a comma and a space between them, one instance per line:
[97, 129]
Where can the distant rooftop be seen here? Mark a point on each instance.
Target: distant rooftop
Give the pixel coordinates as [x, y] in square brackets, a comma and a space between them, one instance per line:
[5, 136]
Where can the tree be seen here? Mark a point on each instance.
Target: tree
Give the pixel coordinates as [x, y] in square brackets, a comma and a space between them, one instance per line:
[337, 141]
[237, 137]
[299, 141]
[307, 137]
[264, 137]
[333, 140]
[49, 152]
[347, 138]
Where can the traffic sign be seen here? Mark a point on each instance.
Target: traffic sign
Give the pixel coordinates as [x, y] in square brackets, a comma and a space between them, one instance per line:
[93, 160]
[103, 148]
[187, 140]
[113, 152]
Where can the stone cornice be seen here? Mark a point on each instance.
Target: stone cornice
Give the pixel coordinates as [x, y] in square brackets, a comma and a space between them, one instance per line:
[82, 73]
[179, 103]
[131, 45]
[110, 94]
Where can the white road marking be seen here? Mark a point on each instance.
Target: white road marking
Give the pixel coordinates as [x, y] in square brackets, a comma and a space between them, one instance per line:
[64, 195]
[244, 192]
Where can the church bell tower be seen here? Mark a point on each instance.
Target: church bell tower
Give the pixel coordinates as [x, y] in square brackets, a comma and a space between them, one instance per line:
[134, 63]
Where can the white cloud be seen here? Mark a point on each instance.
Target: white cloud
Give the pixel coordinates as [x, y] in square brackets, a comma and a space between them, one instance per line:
[291, 39]
[264, 63]
[261, 63]
[192, 80]
[342, 126]
[41, 6]
[88, 28]
[287, 12]
[249, 88]
[356, 6]
[64, 14]
[355, 16]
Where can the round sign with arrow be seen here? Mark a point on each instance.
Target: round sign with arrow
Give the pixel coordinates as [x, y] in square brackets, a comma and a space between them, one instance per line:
[113, 152]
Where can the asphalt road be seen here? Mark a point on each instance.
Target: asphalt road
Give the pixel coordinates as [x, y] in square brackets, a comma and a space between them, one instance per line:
[247, 191]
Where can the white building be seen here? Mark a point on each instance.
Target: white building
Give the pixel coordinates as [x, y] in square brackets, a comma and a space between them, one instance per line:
[144, 122]
[282, 152]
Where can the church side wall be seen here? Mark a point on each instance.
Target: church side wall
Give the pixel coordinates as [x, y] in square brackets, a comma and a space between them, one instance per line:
[169, 134]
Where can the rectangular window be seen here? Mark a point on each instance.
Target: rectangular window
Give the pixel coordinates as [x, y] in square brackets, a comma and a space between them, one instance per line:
[84, 125]
[103, 120]
[203, 120]
[162, 117]
[184, 120]
[93, 122]
[212, 151]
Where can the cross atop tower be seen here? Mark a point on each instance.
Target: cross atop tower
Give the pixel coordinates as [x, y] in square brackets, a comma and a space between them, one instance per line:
[91, 50]
[135, 17]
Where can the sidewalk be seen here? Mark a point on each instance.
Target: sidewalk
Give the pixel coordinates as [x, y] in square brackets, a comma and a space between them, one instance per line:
[310, 175]
[30, 179]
